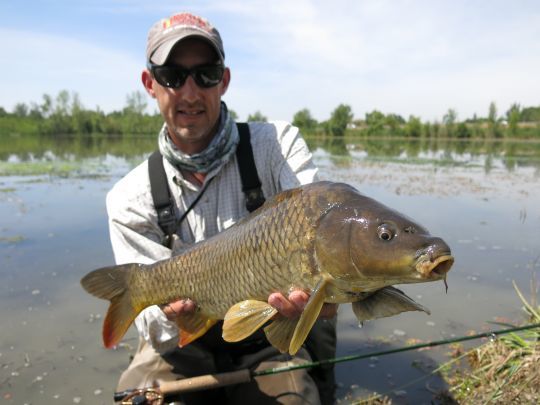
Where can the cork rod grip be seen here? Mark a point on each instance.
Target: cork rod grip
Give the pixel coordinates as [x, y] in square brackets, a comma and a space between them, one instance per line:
[205, 382]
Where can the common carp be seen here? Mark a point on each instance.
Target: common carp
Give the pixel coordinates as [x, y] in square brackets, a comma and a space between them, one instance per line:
[324, 238]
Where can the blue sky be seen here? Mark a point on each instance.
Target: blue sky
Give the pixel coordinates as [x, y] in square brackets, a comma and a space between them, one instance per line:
[403, 57]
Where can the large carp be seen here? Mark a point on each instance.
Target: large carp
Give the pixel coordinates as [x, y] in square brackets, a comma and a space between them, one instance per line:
[324, 238]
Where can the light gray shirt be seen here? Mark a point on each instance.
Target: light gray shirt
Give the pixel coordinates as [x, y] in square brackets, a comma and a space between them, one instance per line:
[283, 161]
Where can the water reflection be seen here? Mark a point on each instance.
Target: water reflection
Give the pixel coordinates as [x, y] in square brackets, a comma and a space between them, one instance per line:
[488, 154]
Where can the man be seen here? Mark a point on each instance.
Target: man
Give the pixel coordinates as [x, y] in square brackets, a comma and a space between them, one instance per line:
[186, 75]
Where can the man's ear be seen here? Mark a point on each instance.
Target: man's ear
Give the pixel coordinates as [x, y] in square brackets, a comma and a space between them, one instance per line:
[225, 81]
[148, 82]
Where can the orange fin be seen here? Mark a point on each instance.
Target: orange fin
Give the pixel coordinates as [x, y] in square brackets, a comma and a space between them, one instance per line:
[112, 283]
[192, 327]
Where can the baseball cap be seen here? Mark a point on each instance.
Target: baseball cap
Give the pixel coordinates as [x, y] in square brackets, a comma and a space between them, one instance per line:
[165, 33]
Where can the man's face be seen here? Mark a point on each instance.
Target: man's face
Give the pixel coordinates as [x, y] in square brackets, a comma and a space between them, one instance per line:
[190, 112]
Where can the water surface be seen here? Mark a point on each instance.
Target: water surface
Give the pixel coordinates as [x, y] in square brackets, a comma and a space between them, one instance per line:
[481, 197]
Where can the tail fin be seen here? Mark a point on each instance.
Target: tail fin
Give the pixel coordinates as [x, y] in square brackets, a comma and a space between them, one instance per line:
[111, 283]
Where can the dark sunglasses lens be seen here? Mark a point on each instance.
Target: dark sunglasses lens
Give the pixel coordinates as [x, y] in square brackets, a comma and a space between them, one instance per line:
[208, 76]
[170, 76]
[205, 76]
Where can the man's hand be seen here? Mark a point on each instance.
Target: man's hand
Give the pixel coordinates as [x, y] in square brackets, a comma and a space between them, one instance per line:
[174, 309]
[293, 306]
[290, 307]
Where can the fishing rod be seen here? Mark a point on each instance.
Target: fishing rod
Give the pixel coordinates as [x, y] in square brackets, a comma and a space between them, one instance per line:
[155, 395]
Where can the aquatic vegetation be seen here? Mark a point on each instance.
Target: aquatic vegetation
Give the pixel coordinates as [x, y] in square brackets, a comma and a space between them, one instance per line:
[502, 370]
[12, 239]
[59, 168]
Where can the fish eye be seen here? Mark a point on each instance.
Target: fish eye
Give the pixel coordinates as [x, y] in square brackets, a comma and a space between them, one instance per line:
[385, 232]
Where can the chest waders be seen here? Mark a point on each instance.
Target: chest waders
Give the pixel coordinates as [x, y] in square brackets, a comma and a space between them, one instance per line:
[321, 341]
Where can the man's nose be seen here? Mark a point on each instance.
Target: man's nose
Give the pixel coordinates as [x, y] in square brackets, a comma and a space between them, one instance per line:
[189, 91]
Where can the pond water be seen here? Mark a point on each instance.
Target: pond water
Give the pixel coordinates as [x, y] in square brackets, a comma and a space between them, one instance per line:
[483, 198]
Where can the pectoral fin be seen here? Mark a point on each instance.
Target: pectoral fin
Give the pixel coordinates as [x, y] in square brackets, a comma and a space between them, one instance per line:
[280, 332]
[308, 317]
[385, 302]
[193, 326]
[244, 318]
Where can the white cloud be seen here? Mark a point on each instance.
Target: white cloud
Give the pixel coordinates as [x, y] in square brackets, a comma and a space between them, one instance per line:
[406, 57]
[36, 63]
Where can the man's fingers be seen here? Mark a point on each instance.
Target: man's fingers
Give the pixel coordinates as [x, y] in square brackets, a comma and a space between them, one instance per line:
[292, 306]
[299, 299]
[284, 306]
[178, 308]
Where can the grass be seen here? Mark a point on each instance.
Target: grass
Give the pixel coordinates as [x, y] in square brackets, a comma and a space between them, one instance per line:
[502, 371]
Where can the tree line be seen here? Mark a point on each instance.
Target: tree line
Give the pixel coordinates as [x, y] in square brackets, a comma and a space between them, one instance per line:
[516, 122]
[66, 115]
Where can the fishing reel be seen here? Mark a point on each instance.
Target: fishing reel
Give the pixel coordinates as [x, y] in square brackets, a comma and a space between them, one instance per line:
[139, 396]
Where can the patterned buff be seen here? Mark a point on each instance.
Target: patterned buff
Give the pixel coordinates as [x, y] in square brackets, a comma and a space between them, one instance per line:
[216, 154]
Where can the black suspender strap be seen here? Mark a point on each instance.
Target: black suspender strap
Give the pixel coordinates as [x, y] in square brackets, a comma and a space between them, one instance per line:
[161, 194]
[251, 185]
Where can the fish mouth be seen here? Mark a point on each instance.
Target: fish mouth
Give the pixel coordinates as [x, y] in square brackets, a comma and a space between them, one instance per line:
[435, 268]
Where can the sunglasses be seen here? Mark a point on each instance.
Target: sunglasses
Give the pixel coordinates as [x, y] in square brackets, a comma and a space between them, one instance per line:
[206, 76]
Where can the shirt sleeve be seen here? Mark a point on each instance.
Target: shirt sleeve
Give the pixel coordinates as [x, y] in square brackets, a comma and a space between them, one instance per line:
[135, 238]
[294, 163]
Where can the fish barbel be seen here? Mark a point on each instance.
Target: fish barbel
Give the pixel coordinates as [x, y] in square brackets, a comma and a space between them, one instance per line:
[324, 238]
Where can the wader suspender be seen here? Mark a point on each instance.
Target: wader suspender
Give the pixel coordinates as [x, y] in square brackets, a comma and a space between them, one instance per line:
[164, 203]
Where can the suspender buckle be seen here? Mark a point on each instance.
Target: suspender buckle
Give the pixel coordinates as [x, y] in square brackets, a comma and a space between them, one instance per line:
[167, 222]
[254, 198]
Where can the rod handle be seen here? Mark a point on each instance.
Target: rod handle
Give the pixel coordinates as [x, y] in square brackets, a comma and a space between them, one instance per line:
[205, 382]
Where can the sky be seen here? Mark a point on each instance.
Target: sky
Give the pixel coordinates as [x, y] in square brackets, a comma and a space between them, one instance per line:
[404, 57]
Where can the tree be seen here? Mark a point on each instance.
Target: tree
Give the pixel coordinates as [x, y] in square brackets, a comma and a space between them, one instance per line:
[340, 118]
[303, 120]
[513, 115]
[257, 116]
[136, 103]
[462, 131]
[394, 121]
[449, 121]
[530, 114]
[62, 107]
[493, 121]
[20, 110]
[46, 107]
[375, 122]
[413, 127]
[492, 115]
[35, 111]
